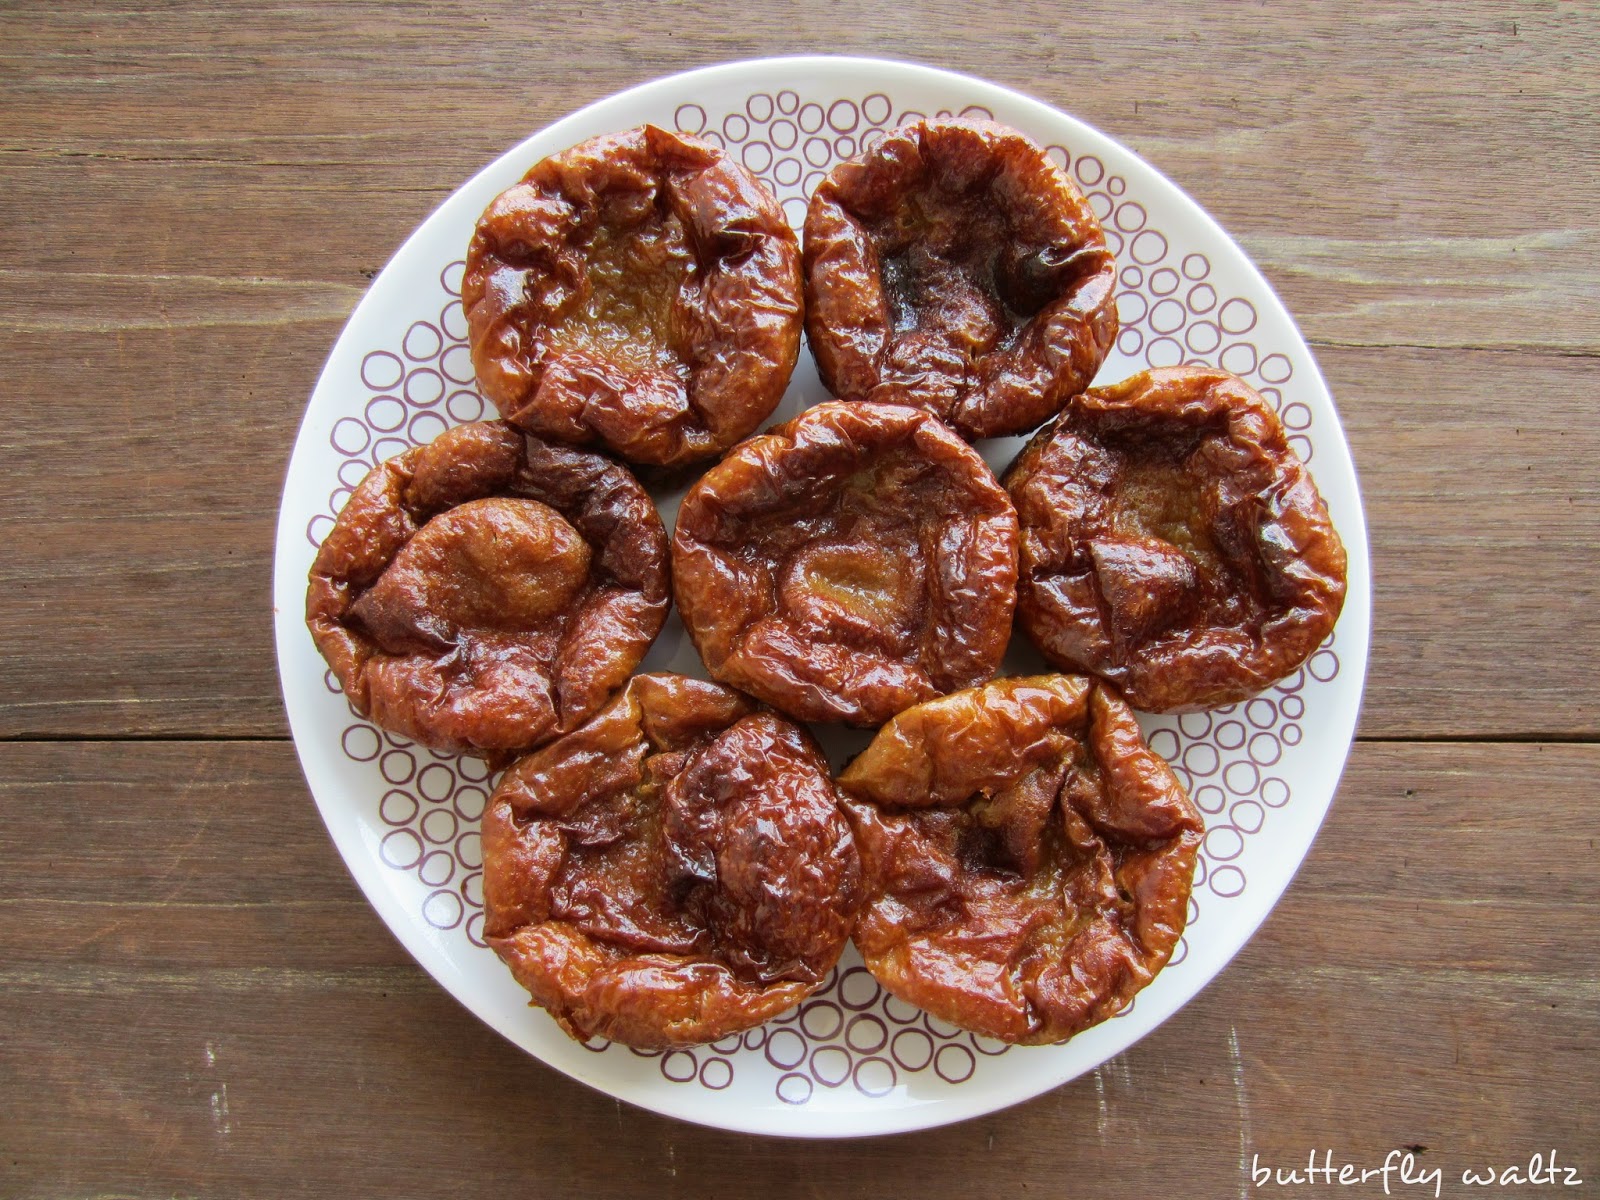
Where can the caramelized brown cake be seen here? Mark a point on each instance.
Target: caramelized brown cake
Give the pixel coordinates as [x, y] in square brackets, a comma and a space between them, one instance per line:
[955, 267]
[676, 870]
[489, 590]
[1026, 858]
[1173, 542]
[640, 291]
[848, 564]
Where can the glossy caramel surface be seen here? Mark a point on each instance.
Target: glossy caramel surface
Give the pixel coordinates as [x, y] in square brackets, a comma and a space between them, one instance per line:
[676, 870]
[489, 590]
[639, 292]
[852, 562]
[1172, 541]
[955, 267]
[1027, 857]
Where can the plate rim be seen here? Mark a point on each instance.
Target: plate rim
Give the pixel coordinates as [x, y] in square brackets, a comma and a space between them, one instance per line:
[958, 1106]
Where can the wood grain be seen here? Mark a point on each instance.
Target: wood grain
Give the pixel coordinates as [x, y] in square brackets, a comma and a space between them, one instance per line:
[1375, 161]
[194, 998]
[139, 605]
[194, 992]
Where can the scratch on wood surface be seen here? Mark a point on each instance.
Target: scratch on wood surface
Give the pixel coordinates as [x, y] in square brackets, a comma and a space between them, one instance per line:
[1529, 290]
[1230, 142]
[1500, 304]
[219, 1111]
[72, 324]
[1241, 1099]
[1275, 1075]
[228, 140]
[201, 775]
[263, 283]
[1102, 1117]
[95, 569]
[274, 905]
[159, 1148]
[145, 701]
[221, 1120]
[158, 987]
[183, 159]
[1121, 1068]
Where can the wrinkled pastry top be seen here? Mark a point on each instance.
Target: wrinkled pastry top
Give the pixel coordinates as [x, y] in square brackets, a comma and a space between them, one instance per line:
[954, 266]
[640, 291]
[1173, 542]
[489, 590]
[1027, 858]
[675, 870]
[852, 562]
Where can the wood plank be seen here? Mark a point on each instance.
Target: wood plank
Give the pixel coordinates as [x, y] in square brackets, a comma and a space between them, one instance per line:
[136, 590]
[1427, 980]
[1366, 179]
[137, 604]
[1477, 471]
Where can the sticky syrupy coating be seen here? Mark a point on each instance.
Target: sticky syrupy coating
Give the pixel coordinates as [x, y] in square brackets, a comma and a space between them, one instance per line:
[955, 267]
[640, 291]
[489, 590]
[676, 870]
[1027, 859]
[1173, 542]
[848, 564]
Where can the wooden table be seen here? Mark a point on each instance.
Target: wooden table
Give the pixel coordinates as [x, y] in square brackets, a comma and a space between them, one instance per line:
[197, 1000]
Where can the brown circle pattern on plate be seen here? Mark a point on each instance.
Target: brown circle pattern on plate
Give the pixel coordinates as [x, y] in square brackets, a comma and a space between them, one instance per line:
[424, 394]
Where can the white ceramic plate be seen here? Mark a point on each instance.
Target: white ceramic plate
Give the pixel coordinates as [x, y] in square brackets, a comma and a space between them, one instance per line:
[851, 1061]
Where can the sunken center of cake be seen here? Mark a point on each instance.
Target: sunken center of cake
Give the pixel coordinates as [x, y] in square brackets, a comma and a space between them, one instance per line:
[941, 261]
[632, 276]
[1159, 498]
[862, 586]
